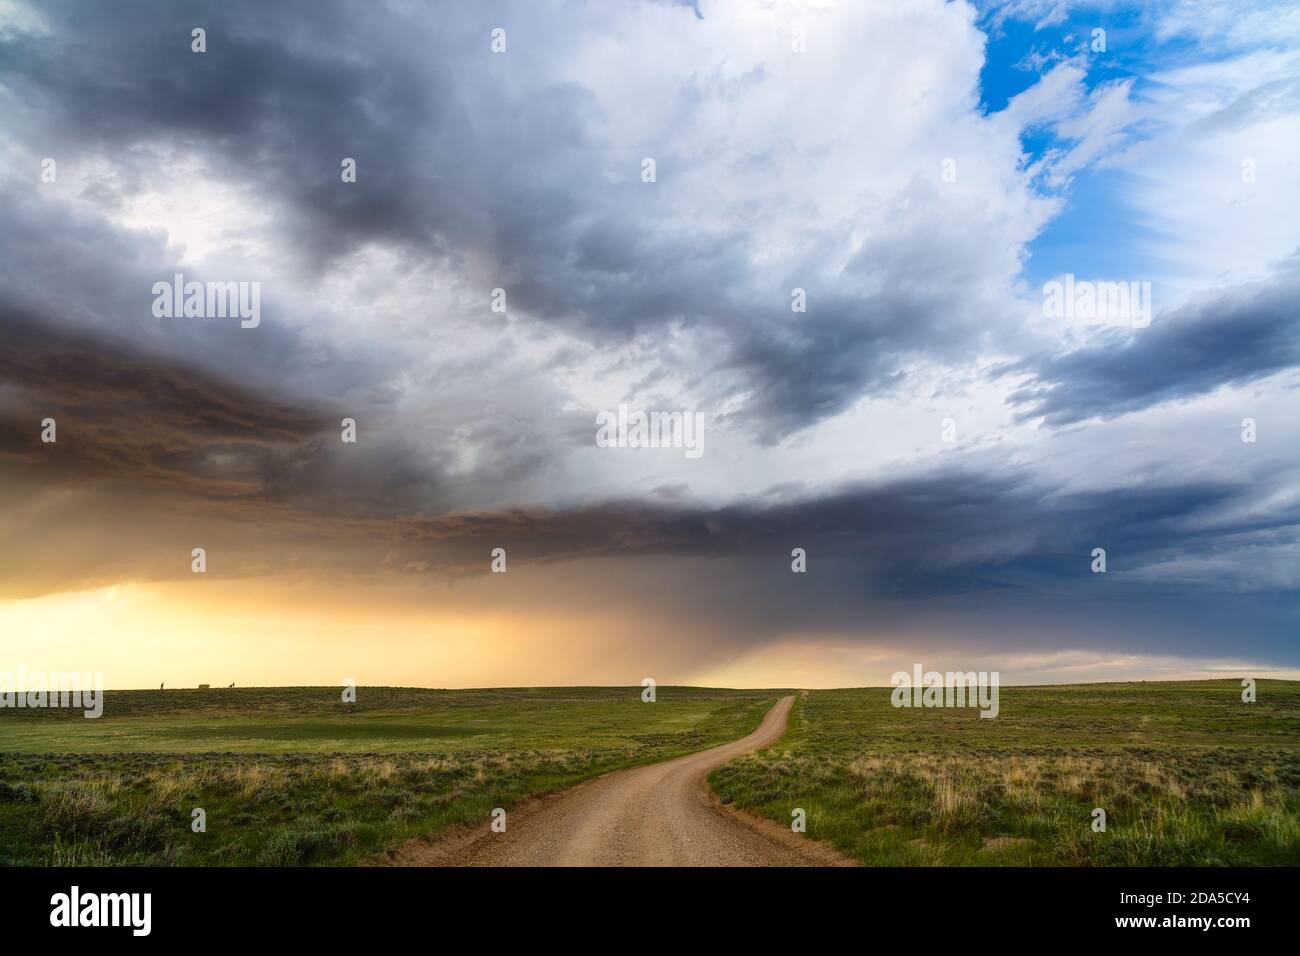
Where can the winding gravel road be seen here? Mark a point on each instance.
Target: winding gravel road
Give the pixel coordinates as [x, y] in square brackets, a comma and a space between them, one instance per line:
[659, 815]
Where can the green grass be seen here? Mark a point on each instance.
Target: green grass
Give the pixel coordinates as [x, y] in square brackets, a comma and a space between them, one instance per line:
[1187, 774]
[293, 775]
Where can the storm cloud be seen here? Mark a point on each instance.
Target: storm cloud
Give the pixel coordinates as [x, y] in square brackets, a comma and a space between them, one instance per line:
[829, 265]
[1236, 336]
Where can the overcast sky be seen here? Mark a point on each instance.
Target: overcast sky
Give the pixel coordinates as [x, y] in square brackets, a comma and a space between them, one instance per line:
[947, 451]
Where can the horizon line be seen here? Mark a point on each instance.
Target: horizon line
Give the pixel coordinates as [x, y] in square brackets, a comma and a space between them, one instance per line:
[638, 687]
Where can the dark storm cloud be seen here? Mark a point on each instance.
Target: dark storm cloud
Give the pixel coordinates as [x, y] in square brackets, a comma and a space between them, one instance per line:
[451, 162]
[928, 534]
[1234, 337]
[142, 419]
[998, 560]
[121, 413]
[466, 164]
[154, 457]
[137, 419]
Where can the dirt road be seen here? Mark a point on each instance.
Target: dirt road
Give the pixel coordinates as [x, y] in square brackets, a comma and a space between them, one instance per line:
[659, 815]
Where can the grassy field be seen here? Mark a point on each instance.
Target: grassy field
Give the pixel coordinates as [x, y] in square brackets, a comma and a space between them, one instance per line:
[1186, 772]
[292, 775]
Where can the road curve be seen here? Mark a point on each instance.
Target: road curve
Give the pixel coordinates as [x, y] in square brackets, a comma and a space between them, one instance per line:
[658, 815]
